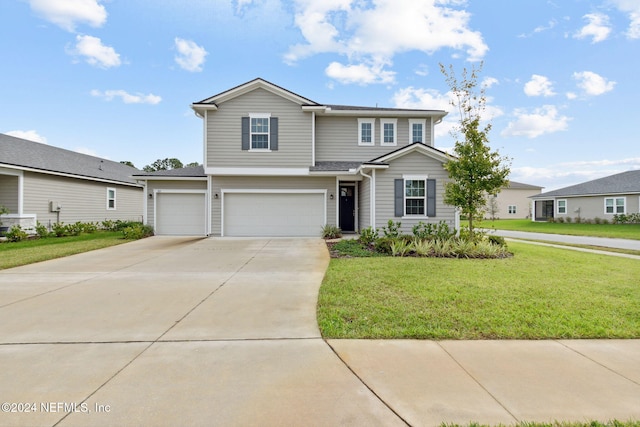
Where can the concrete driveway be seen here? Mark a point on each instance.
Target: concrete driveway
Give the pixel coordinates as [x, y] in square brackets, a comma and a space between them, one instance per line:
[175, 331]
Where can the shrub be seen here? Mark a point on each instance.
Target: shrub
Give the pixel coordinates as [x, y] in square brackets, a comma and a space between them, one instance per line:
[368, 236]
[567, 220]
[351, 248]
[497, 240]
[42, 231]
[392, 229]
[423, 231]
[59, 229]
[137, 231]
[577, 220]
[597, 220]
[423, 247]
[443, 248]
[400, 247]
[605, 221]
[16, 234]
[331, 232]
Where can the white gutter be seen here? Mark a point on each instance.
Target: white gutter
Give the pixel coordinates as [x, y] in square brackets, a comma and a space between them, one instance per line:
[313, 138]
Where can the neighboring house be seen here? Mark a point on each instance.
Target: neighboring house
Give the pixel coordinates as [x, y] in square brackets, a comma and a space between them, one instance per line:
[279, 164]
[512, 202]
[601, 198]
[41, 183]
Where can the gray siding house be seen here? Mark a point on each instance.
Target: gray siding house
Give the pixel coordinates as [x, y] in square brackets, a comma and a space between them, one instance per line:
[601, 198]
[41, 183]
[512, 202]
[279, 164]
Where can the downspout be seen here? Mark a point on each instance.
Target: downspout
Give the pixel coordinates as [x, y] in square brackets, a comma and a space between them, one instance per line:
[313, 138]
[372, 193]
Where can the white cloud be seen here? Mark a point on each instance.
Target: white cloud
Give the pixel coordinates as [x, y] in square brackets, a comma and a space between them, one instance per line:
[543, 120]
[539, 86]
[68, 13]
[592, 83]
[372, 33]
[126, 97]
[598, 28]
[95, 53]
[541, 28]
[190, 56]
[31, 135]
[488, 82]
[632, 7]
[88, 151]
[360, 74]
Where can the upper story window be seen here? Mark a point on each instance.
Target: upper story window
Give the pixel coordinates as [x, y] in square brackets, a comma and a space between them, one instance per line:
[111, 199]
[388, 127]
[417, 131]
[366, 131]
[260, 132]
[615, 205]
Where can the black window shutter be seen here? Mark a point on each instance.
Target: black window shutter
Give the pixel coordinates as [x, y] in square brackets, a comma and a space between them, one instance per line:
[246, 143]
[273, 134]
[431, 197]
[399, 197]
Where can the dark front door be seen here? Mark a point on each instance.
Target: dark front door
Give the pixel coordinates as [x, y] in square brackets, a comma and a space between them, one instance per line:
[347, 208]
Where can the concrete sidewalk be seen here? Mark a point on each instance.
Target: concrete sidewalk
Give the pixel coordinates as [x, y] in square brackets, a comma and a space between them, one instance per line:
[180, 331]
[577, 240]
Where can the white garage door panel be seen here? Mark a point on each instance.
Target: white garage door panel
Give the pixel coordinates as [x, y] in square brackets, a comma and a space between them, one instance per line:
[273, 214]
[180, 214]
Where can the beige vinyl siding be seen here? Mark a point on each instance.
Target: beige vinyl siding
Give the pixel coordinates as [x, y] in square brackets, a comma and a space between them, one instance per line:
[593, 206]
[364, 204]
[224, 139]
[168, 185]
[517, 197]
[81, 200]
[411, 164]
[269, 183]
[9, 192]
[337, 138]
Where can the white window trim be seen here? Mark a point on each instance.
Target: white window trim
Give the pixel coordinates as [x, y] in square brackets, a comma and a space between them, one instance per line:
[412, 122]
[512, 209]
[614, 206]
[260, 116]
[115, 203]
[406, 178]
[373, 132]
[394, 122]
[565, 207]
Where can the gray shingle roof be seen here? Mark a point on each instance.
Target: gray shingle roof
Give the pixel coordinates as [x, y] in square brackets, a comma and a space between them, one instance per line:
[356, 107]
[621, 183]
[190, 172]
[521, 186]
[34, 155]
[334, 166]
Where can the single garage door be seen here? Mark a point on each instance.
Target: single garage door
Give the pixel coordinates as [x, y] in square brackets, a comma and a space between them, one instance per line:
[274, 214]
[181, 214]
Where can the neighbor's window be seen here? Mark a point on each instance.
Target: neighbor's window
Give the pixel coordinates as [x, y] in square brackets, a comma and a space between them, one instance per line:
[388, 128]
[260, 132]
[615, 205]
[512, 209]
[562, 206]
[365, 131]
[415, 196]
[111, 198]
[416, 131]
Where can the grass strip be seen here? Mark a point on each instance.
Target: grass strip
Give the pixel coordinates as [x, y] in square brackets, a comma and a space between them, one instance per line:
[15, 254]
[540, 293]
[616, 231]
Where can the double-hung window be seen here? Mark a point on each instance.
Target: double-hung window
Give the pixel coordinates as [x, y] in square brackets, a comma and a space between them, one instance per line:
[562, 206]
[111, 199]
[415, 196]
[512, 209]
[388, 128]
[615, 205]
[260, 132]
[416, 131]
[366, 131]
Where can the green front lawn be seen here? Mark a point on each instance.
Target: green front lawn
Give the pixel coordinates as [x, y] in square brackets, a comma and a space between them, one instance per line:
[540, 293]
[621, 231]
[30, 251]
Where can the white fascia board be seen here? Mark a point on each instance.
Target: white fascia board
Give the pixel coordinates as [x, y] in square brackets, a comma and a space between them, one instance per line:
[200, 109]
[385, 113]
[372, 166]
[69, 175]
[316, 108]
[415, 147]
[172, 178]
[179, 191]
[239, 171]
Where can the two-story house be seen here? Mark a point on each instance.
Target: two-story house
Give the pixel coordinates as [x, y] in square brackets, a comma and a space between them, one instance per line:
[278, 164]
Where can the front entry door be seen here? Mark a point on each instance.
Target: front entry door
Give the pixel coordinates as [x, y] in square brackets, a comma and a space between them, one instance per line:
[347, 208]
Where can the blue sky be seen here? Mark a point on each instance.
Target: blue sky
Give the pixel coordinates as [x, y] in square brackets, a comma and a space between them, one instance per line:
[115, 78]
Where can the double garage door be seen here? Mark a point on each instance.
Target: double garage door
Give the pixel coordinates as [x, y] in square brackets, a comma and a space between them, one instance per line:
[181, 214]
[273, 213]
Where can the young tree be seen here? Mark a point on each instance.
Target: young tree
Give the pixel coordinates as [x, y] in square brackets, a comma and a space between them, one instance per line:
[476, 171]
